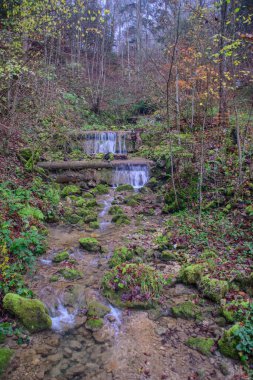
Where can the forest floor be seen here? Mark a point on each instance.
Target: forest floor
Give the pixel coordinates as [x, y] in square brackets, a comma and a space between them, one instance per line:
[132, 344]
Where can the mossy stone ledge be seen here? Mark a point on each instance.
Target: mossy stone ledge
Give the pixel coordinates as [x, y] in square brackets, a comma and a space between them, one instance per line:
[90, 244]
[203, 345]
[31, 312]
[227, 344]
[191, 274]
[186, 310]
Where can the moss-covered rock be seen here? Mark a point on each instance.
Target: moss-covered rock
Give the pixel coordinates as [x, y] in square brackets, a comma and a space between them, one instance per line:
[31, 312]
[132, 200]
[125, 187]
[203, 345]
[186, 310]
[190, 274]
[80, 202]
[101, 189]
[94, 225]
[90, 244]
[88, 195]
[116, 210]
[227, 344]
[97, 309]
[71, 274]
[54, 278]
[5, 357]
[71, 190]
[212, 288]
[61, 256]
[120, 219]
[94, 324]
[73, 218]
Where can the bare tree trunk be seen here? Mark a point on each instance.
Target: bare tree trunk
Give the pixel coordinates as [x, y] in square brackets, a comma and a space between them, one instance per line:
[222, 89]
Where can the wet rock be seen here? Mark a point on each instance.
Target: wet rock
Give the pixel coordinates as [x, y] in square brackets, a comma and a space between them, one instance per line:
[111, 318]
[103, 335]
[53, 341]
[31, 312]
[76, 370]
[44, 350]
[40, 375]
[160, 330]
[55, 358]
[67, 352]
[75, 345]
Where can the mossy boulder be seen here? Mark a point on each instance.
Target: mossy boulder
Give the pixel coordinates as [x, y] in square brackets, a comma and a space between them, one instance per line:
[116, 210]
[227, 344]
[73, 218]
[5, 357]
[31, 312]
[120, 219]
[90, 244]
[94, 324]
[61, 256]
[71, 190]
[54, 278]
[186, 310]
[191, 274]
[132, 200]
[213, 288]
[101, 189]
[203, 345]
[88, 195]
[71, 274]
[125, 187]
[80, 202]
[94, 225]
[97, 309]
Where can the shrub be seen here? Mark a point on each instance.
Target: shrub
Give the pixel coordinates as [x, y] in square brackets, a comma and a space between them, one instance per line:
[120, 255]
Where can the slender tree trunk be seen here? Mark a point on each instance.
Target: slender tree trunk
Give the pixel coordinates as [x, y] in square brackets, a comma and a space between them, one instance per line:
[222, 67]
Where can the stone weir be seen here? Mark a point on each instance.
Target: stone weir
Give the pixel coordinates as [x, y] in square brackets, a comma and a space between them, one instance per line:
[135, 172]
[116, 142]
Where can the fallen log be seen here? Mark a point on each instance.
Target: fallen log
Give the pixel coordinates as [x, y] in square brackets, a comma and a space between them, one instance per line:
[93, 164]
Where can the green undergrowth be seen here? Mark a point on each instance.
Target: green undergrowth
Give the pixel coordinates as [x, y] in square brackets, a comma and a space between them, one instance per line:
[23, 211]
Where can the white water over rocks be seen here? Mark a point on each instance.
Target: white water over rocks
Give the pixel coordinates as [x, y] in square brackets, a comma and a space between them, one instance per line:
[105, 142]
[63, 318]
[134, 175]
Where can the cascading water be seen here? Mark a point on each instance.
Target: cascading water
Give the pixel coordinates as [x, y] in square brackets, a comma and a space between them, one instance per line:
[105, 142]
[135, 175]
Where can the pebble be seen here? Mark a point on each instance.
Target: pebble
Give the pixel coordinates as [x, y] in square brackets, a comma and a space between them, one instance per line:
[54, 358]
[75, 345]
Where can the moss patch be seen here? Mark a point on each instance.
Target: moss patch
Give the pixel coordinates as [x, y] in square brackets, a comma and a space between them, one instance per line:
[94, 225]
[120, 219]
[32, 313]
[169, 256]
[186, 310]
[125, 188]
[191, 274]
[203, 345]
[61, 256]
[70, 274]
[5, 357]
[101, 189]
[212, 288]
[97, 309]
[94, 324]
[120, 255]
[71, 190]
[90, 244]
[227, 344]
[116, 210]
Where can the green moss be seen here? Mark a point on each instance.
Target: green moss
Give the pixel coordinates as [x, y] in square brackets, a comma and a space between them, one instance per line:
[80, 202]
[132, 200]
[91, 217]
[230, 310]
[88, 196]
[124, 188]
[54, 278]
[61, 256]
[71, 274]
[169, 256]
[94, 324]
[101, 189]
[94, 225]
[90, 244]
[227, 344]
[208, 254]
[191, 274]
[203, 345]
[29, 212]
[120, 219]
[212, 288]
[116, 210]
[73, 218]
[186, 310]
[32, 313]
[5, 357]
[71, 190]
[120, 255]
[97, 309]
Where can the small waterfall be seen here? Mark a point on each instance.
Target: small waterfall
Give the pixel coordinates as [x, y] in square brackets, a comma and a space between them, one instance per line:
[105, 142]
[135, 175]
[62, 318]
